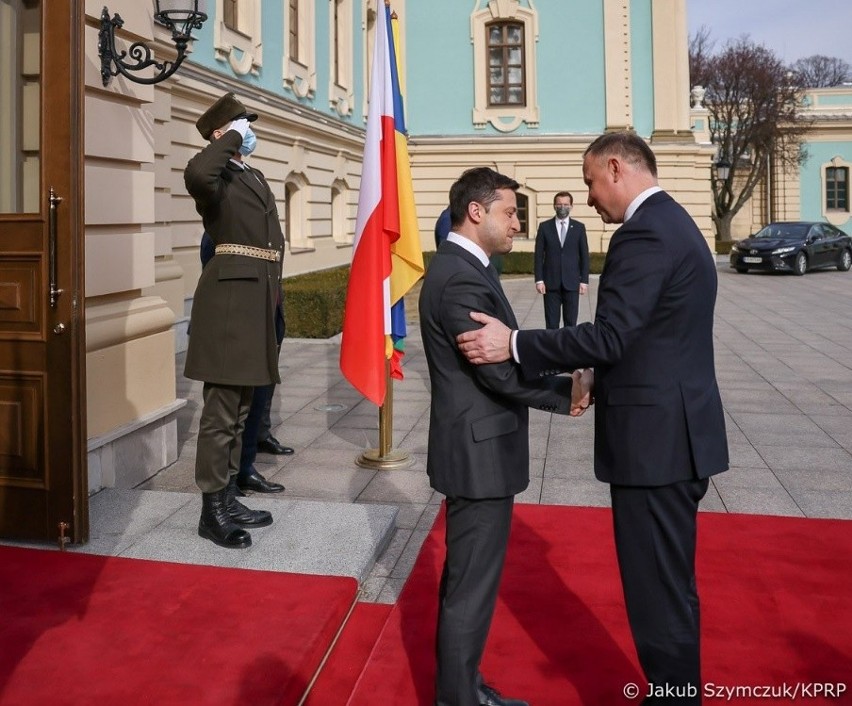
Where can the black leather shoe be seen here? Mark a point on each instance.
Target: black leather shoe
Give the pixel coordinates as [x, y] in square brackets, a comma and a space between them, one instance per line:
[271, 445]
[253, 481]
[489, 696]
[239, 513]
[217, 526]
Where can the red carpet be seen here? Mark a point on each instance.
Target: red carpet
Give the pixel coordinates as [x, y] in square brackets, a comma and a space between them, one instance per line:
[350, 654]
[79, 629]
[775, 610]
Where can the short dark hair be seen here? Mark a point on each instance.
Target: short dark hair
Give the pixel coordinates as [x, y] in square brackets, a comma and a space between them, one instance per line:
[627, 145]
[560, 194]
[479, 185]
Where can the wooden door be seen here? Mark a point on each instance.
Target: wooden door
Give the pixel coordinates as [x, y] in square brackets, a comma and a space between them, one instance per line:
[43, 484]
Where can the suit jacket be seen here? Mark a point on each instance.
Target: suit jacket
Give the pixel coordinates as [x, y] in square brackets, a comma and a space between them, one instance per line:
[233, 313]
[561, 266]
[658, 413]
[478, 427]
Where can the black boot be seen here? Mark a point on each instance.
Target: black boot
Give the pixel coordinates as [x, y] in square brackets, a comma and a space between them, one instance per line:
[217, 526]
[239, 513]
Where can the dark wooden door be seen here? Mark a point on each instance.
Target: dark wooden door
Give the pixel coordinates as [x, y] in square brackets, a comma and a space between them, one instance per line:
[43, 484]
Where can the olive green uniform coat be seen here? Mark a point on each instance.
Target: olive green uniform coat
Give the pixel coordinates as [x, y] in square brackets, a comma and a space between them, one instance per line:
[232, 327]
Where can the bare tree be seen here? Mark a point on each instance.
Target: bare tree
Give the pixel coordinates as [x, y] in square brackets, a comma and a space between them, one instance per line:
[753, 103]
[820, 71]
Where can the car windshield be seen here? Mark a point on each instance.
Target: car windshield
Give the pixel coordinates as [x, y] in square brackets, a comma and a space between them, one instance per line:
[784, 230]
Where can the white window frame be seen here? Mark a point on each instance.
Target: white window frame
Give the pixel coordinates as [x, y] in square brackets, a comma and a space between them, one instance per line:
[297, 209]
[505, 118]
[340, 213]
[341, 96]
[300, 76]
[835, 216]
[241, 50]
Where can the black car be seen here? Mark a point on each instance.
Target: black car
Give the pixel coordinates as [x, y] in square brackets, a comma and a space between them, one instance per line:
[793, 247]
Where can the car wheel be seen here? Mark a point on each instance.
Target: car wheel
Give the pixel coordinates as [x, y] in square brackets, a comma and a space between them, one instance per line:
[844, 262]
[741, 270]
[800, 266]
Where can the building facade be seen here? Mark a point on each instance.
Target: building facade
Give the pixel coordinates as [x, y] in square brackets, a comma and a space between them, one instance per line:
[520, 85]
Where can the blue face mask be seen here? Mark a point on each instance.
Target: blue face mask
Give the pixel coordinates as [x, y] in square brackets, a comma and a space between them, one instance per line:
[249, 143]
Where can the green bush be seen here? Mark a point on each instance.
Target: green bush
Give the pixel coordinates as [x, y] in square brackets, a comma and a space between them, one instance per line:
[723, 247]
[313, 303]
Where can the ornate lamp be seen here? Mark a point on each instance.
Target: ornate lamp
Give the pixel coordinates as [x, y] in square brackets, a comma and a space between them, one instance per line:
[723, 169]
[180, 16]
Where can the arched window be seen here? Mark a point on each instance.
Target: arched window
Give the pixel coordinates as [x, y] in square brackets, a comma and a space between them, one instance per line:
[339, 213]
[296, 212]
[504, 36]
[523, 214]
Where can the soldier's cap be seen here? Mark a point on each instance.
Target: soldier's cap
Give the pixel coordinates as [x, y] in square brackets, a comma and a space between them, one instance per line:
[222, 112]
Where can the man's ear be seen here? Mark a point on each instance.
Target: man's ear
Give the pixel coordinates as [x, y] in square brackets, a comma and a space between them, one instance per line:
[615, 168]
[475, 211]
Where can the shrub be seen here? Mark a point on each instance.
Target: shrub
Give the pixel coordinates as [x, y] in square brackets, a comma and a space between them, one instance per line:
[313, 303]
[723, 247]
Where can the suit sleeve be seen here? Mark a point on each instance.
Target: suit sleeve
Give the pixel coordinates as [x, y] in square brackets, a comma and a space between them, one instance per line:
[583, 245]
[636, 270]
[203, 173]
[460, 296]
[538, 260]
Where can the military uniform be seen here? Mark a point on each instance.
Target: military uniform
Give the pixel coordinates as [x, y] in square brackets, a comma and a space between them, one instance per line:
[232, 344]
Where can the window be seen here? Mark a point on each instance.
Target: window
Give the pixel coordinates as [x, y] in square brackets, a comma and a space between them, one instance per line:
[523, 214]
[339, 214]
[296, 212]
[230, 16]
[300, 74]
[293, 30]
[506, 64]
[837, 188]
[237, 36]
[504, 36]
[341, 94]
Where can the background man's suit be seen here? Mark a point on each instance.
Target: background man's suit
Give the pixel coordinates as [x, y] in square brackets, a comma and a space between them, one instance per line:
[562, 268]
[659, 425]
[478, 457]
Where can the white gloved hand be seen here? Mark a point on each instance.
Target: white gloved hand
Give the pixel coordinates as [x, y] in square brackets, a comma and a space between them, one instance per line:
[240, 125]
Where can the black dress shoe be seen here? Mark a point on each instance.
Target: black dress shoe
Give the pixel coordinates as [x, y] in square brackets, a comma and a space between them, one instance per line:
[255, 482]
[489, 696]
[271, 445]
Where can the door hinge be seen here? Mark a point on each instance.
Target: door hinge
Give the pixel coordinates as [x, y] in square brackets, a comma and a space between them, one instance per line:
[62, 539]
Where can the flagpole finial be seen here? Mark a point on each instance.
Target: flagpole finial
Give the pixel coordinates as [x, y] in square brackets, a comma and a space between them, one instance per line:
[394, 16]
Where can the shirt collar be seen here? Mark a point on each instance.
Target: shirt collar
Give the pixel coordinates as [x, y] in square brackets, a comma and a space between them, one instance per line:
[638, 201]
[470, 246]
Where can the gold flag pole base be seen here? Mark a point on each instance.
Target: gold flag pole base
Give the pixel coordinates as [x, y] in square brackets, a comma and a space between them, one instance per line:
[385, 458]
[393, 460]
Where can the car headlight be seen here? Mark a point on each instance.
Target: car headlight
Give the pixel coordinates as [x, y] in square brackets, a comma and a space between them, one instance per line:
[734, 248]
[782, 251]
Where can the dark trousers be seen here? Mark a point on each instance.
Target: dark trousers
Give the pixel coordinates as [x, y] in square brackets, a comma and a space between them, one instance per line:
[220, 434]
[258, 422]
[655, 535]
[565, 300]
[477, 536]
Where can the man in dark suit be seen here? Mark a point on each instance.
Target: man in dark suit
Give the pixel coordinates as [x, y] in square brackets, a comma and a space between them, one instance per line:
[561, 265]
[478, 427]
[659, 424]
[233, 346]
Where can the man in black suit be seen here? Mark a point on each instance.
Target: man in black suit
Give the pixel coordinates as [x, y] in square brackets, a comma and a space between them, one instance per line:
[561, 265]
[659, 424]
[478, 427]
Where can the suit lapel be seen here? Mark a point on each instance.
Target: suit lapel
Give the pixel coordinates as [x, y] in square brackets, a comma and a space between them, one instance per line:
[253, 181]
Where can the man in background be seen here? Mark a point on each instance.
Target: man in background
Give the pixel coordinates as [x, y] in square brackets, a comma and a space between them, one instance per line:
[561, 264]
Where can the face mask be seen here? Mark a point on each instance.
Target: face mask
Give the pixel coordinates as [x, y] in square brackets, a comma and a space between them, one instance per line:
[562, 212]
[249, 143]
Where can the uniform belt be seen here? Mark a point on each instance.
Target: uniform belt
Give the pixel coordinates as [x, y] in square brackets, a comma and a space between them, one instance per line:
[248, 251]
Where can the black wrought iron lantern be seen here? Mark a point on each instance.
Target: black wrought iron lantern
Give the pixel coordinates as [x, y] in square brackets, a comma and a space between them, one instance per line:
[723, 169]
[180, 16]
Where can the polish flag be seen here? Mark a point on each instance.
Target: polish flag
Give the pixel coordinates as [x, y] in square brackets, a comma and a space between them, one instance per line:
[366, 319]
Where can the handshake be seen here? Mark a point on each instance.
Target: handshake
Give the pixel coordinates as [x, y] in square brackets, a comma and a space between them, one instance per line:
[582, 391]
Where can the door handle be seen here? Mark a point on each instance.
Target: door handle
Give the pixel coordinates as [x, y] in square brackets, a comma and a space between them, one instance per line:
[54, 290]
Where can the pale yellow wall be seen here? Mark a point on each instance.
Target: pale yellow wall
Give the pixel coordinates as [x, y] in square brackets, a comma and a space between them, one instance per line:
[544, 166]
[129, 339]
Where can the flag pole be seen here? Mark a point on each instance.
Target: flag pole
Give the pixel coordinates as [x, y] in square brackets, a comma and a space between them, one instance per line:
[385, 458]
